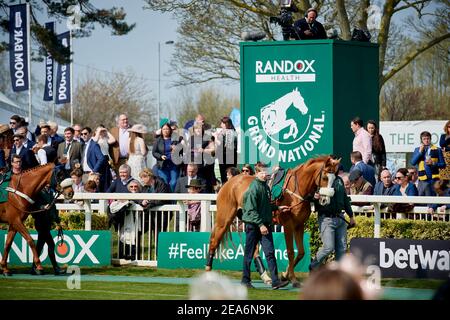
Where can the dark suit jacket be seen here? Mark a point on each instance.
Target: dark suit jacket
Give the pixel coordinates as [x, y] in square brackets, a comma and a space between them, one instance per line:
[368, 172]
[74, 153]
[56, 140]
[182, 182]
[118, 187]
[95, 158]
[2, 159]
[30, 144]
[28, 158]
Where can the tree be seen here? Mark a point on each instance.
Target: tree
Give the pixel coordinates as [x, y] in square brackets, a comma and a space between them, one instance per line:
[420, 91]
[99, 99]
[211, 103]
[210, 31]
[87, 16]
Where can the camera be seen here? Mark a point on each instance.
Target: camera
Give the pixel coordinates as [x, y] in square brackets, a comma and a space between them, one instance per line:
[285, 20]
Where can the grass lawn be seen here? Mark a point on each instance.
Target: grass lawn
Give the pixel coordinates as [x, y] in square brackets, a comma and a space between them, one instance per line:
[21, 286]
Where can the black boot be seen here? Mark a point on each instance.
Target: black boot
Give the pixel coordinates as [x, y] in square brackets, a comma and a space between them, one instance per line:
[58, 271]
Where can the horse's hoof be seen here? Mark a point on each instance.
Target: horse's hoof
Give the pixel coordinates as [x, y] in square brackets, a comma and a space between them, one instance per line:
[208, 268]
[296, 285]
[7, 274]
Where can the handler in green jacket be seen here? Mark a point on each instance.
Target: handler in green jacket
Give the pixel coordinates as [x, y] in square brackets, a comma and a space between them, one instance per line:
[332, 225]
[43, 222]
[257, 215]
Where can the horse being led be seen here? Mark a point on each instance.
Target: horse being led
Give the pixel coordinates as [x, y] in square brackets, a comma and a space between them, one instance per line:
[22, 189]
[273, 115]
[316, 175]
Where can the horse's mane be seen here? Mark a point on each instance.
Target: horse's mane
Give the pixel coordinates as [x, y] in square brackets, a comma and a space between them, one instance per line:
[37, 167]
[311, 161]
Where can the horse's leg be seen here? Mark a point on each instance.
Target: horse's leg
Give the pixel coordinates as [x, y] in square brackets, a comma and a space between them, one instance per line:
[298, 234]
[9, 239]
[259, 265]
[288, 237]
[220, 227]
[24, 232]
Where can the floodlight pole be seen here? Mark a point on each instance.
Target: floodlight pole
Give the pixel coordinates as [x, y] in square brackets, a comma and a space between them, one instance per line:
[159, 79]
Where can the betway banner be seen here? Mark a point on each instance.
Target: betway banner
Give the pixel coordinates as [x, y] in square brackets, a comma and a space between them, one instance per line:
[190, 250]
[49, 66]
[84, 248]
[18, 46]
[404, 258]
[63, 94]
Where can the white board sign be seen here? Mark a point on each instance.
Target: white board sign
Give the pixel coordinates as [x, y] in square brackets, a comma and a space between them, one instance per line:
[404, 136]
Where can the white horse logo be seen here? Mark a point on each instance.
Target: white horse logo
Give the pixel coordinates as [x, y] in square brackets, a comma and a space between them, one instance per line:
[273, 115]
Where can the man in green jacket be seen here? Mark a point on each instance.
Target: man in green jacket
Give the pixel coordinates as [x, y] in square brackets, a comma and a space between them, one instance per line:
[257, 215]
[332, 225]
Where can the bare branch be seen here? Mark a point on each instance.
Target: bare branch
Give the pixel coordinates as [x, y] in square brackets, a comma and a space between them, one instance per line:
[411, 56]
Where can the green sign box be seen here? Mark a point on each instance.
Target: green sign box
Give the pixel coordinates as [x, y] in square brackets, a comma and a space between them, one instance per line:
[190, 250]
[298, 98]
[84, 248]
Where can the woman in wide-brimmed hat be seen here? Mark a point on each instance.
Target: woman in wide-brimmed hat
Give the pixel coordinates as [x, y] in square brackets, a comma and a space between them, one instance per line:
[137, 150]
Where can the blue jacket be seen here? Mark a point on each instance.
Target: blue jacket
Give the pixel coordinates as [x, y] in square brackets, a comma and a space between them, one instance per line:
[426, 172]
[118, 187]
[28, 158]
[368, 172]
[95, 158]
[444, 142]
[381, 190]
[411, 190]
[435, 206]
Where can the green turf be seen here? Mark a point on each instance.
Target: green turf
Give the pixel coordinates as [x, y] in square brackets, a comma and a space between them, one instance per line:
[135, 283]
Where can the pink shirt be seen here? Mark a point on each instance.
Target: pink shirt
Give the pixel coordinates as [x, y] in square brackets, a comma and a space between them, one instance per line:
[363, 144]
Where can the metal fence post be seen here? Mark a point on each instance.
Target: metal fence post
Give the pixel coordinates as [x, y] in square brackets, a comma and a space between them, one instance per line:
[377, 220]
[182, 215]
[87, 215]
[205, 222]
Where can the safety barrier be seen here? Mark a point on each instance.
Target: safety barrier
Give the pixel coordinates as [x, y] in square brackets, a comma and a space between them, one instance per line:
[146, 224]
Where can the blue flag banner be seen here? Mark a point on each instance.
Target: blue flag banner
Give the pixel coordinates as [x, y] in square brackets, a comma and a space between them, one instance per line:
[63, 94]
[18, 47]
[49, 67]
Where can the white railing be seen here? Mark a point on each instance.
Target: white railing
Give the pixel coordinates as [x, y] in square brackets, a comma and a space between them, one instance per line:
[208, 209]
[148, 223]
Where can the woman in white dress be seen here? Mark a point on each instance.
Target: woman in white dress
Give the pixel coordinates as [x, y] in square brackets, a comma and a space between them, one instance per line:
[137, 150]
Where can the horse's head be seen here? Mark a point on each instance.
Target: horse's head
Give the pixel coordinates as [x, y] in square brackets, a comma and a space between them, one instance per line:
[325, 179]
[299, 102]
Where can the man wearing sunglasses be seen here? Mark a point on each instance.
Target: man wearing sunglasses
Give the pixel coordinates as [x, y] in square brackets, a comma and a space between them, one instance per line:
[92, 158]
[28, 158]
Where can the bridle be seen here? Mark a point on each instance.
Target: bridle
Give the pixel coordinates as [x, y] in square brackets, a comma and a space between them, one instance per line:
[298, 195]
[16, 192]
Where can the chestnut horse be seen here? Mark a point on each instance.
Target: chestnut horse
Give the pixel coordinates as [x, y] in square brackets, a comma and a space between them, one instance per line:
[300, 184]
[24, 188]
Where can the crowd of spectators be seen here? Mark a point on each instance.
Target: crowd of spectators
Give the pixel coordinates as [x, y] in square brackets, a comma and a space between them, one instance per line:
[191, 153]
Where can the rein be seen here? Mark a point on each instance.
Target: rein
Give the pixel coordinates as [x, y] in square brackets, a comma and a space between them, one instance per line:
[31, 201]
[298, 196]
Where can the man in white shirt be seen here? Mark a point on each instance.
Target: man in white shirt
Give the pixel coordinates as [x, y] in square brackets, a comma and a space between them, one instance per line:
[362, 141]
